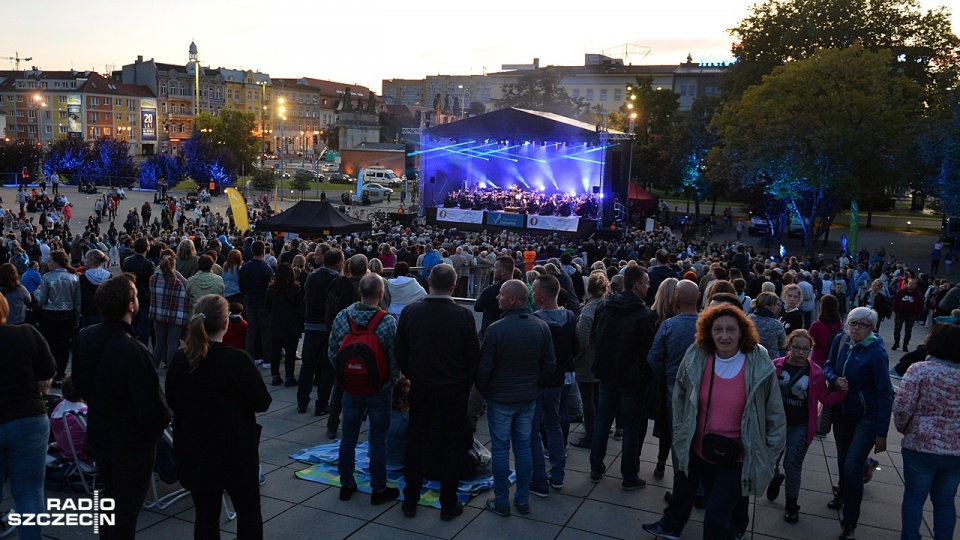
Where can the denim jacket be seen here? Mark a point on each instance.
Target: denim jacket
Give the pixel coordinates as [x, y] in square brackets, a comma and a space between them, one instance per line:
[59, 291]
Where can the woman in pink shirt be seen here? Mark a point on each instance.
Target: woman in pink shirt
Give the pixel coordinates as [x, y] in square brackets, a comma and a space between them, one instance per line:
[927, 412]
[728, 425]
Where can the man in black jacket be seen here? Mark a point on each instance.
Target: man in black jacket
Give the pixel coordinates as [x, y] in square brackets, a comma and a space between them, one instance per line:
[255, 277]
[316, 333]
[142, 269]
[438, 350]
[658, 274]
[623, 331]
[127, 411]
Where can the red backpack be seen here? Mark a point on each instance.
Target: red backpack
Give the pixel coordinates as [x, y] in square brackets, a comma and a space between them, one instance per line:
[361, 362]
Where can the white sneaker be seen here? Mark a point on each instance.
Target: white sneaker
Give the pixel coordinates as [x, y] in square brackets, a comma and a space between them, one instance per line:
[265, 365]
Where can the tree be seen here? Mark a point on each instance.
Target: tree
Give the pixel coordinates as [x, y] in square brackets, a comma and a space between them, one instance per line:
[111, 163]
[692, 140]
[263, 180]
[70, 156]
[541, 90]
[16, 155]
[836, 125]
[919, 44]
[161, 166]
[233, 131]
[476, 108]
[947, 179]
[301, 182]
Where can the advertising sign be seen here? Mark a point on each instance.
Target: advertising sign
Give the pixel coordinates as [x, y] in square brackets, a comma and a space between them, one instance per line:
[502, 219]
[74, 123]
[148, 119]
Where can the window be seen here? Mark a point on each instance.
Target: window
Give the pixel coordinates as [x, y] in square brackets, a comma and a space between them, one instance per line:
[183, 109]
[315, 100]
[19, 99]
[617, 94]
[163, 107]
[589, 94]
[229, 94]
[131, 104]
[62, 115]
[48, 129]
[219, 93]
[20, 128]
[61, 99]
[63, 129]
[94, 117]
[603, 94]
[118, 102]
[19, 114]
[249, 94]
[47, 114]
[93, 102]
[32, 129]
[31, 114]
[10, 98]
[576, 93]
[163, 89]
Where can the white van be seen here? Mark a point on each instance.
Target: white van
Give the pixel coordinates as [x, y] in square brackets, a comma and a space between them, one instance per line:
[382, 176]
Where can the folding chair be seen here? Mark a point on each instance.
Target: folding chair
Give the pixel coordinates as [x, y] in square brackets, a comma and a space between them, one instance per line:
[88, 475]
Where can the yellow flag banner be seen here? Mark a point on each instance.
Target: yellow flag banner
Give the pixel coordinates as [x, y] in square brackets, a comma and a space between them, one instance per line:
[239, 207]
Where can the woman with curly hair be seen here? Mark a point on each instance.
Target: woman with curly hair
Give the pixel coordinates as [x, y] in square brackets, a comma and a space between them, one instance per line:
[728, 425]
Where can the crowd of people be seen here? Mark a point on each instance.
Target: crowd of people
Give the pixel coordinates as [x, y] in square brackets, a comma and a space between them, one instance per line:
[610, 333]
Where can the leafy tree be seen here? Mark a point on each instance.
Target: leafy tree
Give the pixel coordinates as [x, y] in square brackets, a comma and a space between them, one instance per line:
[392, 124]
[200, 155]
[919, 44]
[541, 90]
[837, 124]
[161, 166]
[476, 108]
[301, 182]
[263, 180]
[14, 156]
[232, 130]
[947, 179]
[111, 163]
[68, 156]
[692, 141]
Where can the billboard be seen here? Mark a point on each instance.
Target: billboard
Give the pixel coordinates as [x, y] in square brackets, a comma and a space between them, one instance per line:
[74, 123]
[148, 120]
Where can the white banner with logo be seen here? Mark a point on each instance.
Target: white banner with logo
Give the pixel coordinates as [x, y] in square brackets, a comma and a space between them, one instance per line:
[553, 223]
[460, 216]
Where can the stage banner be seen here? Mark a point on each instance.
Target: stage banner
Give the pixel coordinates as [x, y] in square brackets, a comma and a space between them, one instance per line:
[553, 223]
[148, 119]
[461, 216]
[239, 207]
[502, 219]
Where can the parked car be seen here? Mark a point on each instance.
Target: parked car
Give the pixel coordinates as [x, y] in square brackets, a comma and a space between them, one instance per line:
[341, 178]
[314, 174]
[759, 226]
[376, 192]
[383, 176]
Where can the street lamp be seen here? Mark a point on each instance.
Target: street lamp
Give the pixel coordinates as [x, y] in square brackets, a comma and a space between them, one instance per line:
[283, 140]
[38, 105]
[463, 94]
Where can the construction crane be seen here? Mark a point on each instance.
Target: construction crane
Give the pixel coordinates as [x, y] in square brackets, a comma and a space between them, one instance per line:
[17, 59]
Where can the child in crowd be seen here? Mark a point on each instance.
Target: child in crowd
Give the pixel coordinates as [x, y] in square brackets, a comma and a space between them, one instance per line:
[236, 335]
[72, 402]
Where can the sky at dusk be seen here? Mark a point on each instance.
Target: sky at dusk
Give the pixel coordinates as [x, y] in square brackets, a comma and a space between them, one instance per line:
[366, 42]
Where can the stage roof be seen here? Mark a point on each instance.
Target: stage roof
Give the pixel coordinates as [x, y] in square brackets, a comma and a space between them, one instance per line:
[520, 125]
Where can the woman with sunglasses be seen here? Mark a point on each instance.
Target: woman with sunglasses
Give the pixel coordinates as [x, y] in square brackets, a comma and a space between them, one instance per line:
[802, 386]
[858, 364]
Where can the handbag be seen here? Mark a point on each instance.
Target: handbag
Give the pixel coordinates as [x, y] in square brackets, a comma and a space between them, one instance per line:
[716, 448]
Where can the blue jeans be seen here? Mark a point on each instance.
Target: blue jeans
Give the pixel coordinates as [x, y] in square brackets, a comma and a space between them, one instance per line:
[510, 423]
[855, 436]
[23, 451]
[547, 413]
[625, 406]
[378, 408]
[167, 341]
[932, 474]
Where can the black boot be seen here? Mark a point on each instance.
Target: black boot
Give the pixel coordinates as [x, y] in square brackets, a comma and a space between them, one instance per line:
[791, 512]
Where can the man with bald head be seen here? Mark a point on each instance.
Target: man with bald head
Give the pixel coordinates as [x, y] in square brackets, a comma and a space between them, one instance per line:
[516, 356]
[376, 405]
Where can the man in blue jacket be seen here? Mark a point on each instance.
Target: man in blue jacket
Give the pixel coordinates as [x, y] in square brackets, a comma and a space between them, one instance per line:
[516, 355]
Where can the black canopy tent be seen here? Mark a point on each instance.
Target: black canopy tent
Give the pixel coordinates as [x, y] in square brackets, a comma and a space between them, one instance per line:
[314, 218]
[518, 125]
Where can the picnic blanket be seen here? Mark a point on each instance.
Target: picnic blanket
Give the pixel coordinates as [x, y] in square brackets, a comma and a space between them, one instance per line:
[323, 469]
